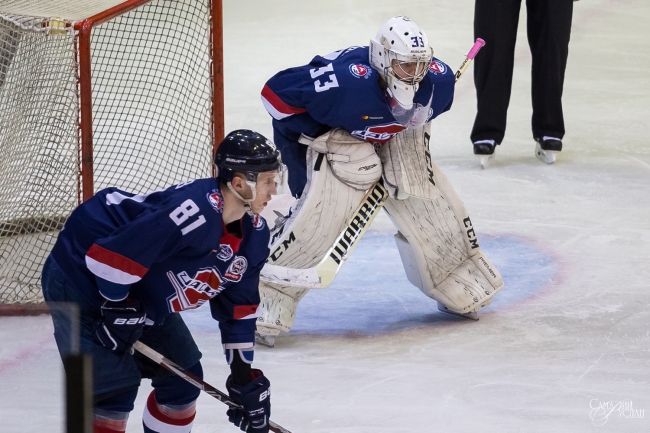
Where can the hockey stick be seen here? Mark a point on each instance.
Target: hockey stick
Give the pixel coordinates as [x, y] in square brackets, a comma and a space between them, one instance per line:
[324, 273]
[470, 56]
[191, 378]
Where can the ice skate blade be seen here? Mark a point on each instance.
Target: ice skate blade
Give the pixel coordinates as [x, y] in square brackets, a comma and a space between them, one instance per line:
[485, 160]
[471, 316]
[546, 156]
[265, 340]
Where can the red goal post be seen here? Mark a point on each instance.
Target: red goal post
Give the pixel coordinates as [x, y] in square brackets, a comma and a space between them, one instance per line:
[98, 93]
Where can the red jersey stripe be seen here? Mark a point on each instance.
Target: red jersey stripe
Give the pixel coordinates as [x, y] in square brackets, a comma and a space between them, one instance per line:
[279, 104]
[116, 261]
[242, 311]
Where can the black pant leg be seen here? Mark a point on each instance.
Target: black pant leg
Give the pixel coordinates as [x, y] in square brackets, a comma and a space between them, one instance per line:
[495, 21]
[549, 31]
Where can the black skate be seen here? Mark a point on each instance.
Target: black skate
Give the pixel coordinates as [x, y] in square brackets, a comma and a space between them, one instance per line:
[484, 149]
[547, 148]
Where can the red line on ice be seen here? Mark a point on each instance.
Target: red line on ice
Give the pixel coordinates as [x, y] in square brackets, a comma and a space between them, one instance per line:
[23, 355]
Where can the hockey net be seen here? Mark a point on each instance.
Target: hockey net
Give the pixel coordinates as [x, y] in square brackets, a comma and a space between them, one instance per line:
[95, 94]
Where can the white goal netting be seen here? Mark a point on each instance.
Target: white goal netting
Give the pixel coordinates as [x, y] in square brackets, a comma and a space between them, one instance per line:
[151, 116]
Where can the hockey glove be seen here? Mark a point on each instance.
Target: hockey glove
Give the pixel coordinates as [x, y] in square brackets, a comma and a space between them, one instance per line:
[256, 401]
[121, 324]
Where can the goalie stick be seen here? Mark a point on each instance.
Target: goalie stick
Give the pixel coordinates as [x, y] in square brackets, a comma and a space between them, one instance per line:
[324, 273]
[194, 380]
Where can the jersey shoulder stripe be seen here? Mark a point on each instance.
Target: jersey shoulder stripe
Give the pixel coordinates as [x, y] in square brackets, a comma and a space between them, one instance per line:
[276, 106]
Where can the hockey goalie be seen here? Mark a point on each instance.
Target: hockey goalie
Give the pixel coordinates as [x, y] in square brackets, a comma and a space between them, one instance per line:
[346, 121]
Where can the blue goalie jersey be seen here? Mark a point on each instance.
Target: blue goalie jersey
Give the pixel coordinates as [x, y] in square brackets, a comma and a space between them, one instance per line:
[342, 90]
[170, 250]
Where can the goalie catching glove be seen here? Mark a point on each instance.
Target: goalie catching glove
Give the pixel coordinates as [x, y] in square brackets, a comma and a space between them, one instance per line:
[255, 399]
[121, 324]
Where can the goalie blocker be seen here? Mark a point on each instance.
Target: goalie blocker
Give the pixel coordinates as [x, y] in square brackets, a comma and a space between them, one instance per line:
[436, 240]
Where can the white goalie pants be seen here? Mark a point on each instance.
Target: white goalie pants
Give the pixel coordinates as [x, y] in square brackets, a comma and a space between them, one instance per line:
[436, 239]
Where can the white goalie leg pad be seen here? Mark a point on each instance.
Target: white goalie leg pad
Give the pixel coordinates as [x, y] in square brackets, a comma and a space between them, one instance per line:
[280, 304]
[407, 165]
[353, 161]
[465, 289]
[316, 220]
[436, 239]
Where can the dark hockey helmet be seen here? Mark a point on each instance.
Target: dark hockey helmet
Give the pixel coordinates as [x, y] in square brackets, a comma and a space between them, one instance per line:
[246, 152]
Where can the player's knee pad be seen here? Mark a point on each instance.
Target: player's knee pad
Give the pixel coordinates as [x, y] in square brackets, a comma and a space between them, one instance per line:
[436, 240]
[167, 418]
[111, 411]
[173, 390]
[316, 220]
[171, 406]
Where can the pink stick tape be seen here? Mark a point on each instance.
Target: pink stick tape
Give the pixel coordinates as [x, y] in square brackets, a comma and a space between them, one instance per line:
[477, 46]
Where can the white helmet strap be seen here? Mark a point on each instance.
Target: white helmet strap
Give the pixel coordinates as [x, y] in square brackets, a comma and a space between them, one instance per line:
[247, 201]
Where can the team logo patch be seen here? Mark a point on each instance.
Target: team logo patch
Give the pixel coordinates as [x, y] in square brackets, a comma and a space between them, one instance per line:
[193, 292]
[360, 71]
[379, 133]
[437, 67]
[216, 201]
[258, 222]
[236, 269]
[225, 252]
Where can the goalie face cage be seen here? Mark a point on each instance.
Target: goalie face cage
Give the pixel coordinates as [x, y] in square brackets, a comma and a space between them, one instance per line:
[130, 96]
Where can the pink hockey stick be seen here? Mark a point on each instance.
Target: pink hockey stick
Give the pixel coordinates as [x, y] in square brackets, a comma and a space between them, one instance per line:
[470, 56]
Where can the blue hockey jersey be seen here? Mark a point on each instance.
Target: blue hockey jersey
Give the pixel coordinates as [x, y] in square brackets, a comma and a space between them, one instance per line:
[170, 250]
[341, 90]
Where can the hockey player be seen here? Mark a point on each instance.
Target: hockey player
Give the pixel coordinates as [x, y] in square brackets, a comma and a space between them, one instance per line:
[329, 117]
[372, 92]
[132, 262]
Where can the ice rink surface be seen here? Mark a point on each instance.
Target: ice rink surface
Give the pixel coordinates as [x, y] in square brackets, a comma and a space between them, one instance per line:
[569, 332]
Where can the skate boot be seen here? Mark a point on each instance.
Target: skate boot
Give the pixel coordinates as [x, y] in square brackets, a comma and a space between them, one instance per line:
[547, 148]
[484, 149]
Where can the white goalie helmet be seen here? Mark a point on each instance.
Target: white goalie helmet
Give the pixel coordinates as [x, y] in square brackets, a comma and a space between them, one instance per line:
[401, 54]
